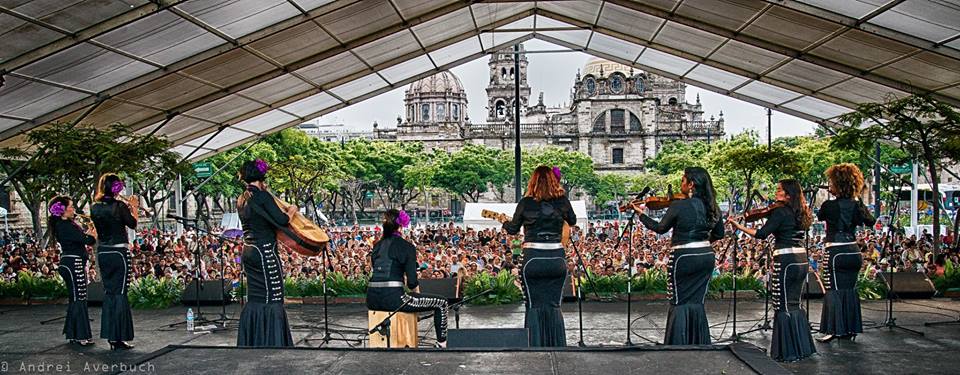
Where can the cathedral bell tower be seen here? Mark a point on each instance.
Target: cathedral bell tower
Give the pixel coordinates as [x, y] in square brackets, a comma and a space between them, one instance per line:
[500, 89]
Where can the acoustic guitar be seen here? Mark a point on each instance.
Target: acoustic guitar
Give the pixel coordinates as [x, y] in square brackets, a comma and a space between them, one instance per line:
[503, 218]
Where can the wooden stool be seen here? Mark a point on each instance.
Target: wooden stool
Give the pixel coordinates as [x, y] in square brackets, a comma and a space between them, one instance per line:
[403, 329]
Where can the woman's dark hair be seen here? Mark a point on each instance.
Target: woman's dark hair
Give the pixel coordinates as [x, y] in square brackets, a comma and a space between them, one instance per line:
[797, 203]
[390, 225]
[250, 172]
[53, 220]
[105, 185]
[703, 189]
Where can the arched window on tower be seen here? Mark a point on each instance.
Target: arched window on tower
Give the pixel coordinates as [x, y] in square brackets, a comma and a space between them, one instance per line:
[511, 74]
[425, 112]
[600, 124]
[410, 113]
[455, 111]
[441, 112]
[503, 74]
[635, 123]
[672, 101]
[500, 109]
[617, 120]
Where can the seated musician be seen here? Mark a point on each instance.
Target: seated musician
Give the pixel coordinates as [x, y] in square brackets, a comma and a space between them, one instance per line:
[393, 259]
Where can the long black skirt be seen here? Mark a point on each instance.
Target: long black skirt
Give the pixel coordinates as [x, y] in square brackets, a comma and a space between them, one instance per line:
[791, 340]
[73, 270]
[841, 304]
[688, 277]
[263, 321]
[542, 276]
[116, 318]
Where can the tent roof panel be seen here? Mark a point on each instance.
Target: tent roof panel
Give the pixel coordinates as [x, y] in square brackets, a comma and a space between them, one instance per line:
[265, 65]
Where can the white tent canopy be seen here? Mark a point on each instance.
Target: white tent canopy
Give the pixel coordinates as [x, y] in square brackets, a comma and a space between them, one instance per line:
[472, 218]
[213, 74]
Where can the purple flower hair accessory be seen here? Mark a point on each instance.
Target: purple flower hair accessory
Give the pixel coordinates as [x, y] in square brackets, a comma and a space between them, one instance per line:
[57, 209]
[262, 166]
[556, 172]
[403, 220]
[117, 187]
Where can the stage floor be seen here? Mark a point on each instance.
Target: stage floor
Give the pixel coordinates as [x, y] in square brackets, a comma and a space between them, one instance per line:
[26, 346]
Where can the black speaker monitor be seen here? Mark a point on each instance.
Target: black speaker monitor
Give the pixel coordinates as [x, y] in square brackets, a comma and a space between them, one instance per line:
[488, 338]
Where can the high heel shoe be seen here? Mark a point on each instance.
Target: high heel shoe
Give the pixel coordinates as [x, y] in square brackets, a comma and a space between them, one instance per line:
[82, 342]
[122, 345]
[852, 337]
[826, 339]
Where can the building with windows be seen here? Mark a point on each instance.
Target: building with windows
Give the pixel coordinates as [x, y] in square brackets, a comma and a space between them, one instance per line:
[618, 116]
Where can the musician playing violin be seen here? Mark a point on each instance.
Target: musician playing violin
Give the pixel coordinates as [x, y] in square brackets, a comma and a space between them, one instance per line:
[787, 221]
[263, 321]
[695, 222]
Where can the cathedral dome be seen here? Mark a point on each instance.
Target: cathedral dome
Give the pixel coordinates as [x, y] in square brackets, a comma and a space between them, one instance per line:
[595, 65]
[440, 83]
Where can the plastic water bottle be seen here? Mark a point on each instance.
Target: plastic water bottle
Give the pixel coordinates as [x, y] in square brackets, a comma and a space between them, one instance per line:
[190, 320]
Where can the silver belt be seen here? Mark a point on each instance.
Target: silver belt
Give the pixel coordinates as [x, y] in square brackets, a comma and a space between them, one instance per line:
[385, 284]
[789, 250]
[692, 245]
[69, 256]
[835, 244]
[543, 246]
[116, 245]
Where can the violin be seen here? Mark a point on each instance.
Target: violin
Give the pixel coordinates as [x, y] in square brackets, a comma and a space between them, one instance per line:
[762, 213]
[654, 203]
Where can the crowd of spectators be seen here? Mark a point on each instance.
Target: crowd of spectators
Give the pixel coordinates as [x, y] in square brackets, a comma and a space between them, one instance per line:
[449, 250]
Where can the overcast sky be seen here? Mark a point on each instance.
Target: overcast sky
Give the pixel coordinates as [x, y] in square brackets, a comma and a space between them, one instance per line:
[553, 74]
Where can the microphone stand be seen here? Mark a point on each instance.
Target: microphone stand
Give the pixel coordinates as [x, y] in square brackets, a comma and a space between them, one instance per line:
[629, 229]
[456, 307]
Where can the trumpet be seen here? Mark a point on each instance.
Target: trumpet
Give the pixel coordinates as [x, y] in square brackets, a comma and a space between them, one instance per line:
[130, 199]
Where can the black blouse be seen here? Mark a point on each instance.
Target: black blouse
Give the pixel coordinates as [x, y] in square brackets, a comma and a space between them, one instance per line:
[403, 260]
[256, 228]
[112, 218]
[688, 219]
[72, 239]
[541, 221]
[782, 224]
[842, 217]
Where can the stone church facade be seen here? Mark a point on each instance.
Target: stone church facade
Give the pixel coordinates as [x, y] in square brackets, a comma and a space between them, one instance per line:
[618, 116]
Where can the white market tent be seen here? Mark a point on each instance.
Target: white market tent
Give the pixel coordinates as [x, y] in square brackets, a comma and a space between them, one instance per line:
[212, 74]
[472, 218]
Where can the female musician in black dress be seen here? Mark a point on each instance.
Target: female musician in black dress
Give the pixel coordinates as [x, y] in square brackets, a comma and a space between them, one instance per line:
[263, 321]
[73, 266]
[394, 259]
[791, 340]
[841, 304]
[695, 223]
[542, 213]
[112, 217]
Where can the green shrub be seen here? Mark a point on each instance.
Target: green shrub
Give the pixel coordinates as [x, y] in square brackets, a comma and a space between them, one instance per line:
[151, 293]
[870, 287]
[345, 286]
[9, 290]
[292, 288]
[950, 278]
[504, 290]
[724, 283]
[33, 286]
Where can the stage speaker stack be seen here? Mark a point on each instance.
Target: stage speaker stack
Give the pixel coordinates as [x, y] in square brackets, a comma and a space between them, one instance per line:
[448, 288]
[908, 284]
[488, 338]
[95, 293]
[813, 287]
[210, 293]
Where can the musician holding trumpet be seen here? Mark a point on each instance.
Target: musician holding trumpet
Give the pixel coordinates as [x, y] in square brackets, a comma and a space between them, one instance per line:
[112, 216]
[73, 242]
